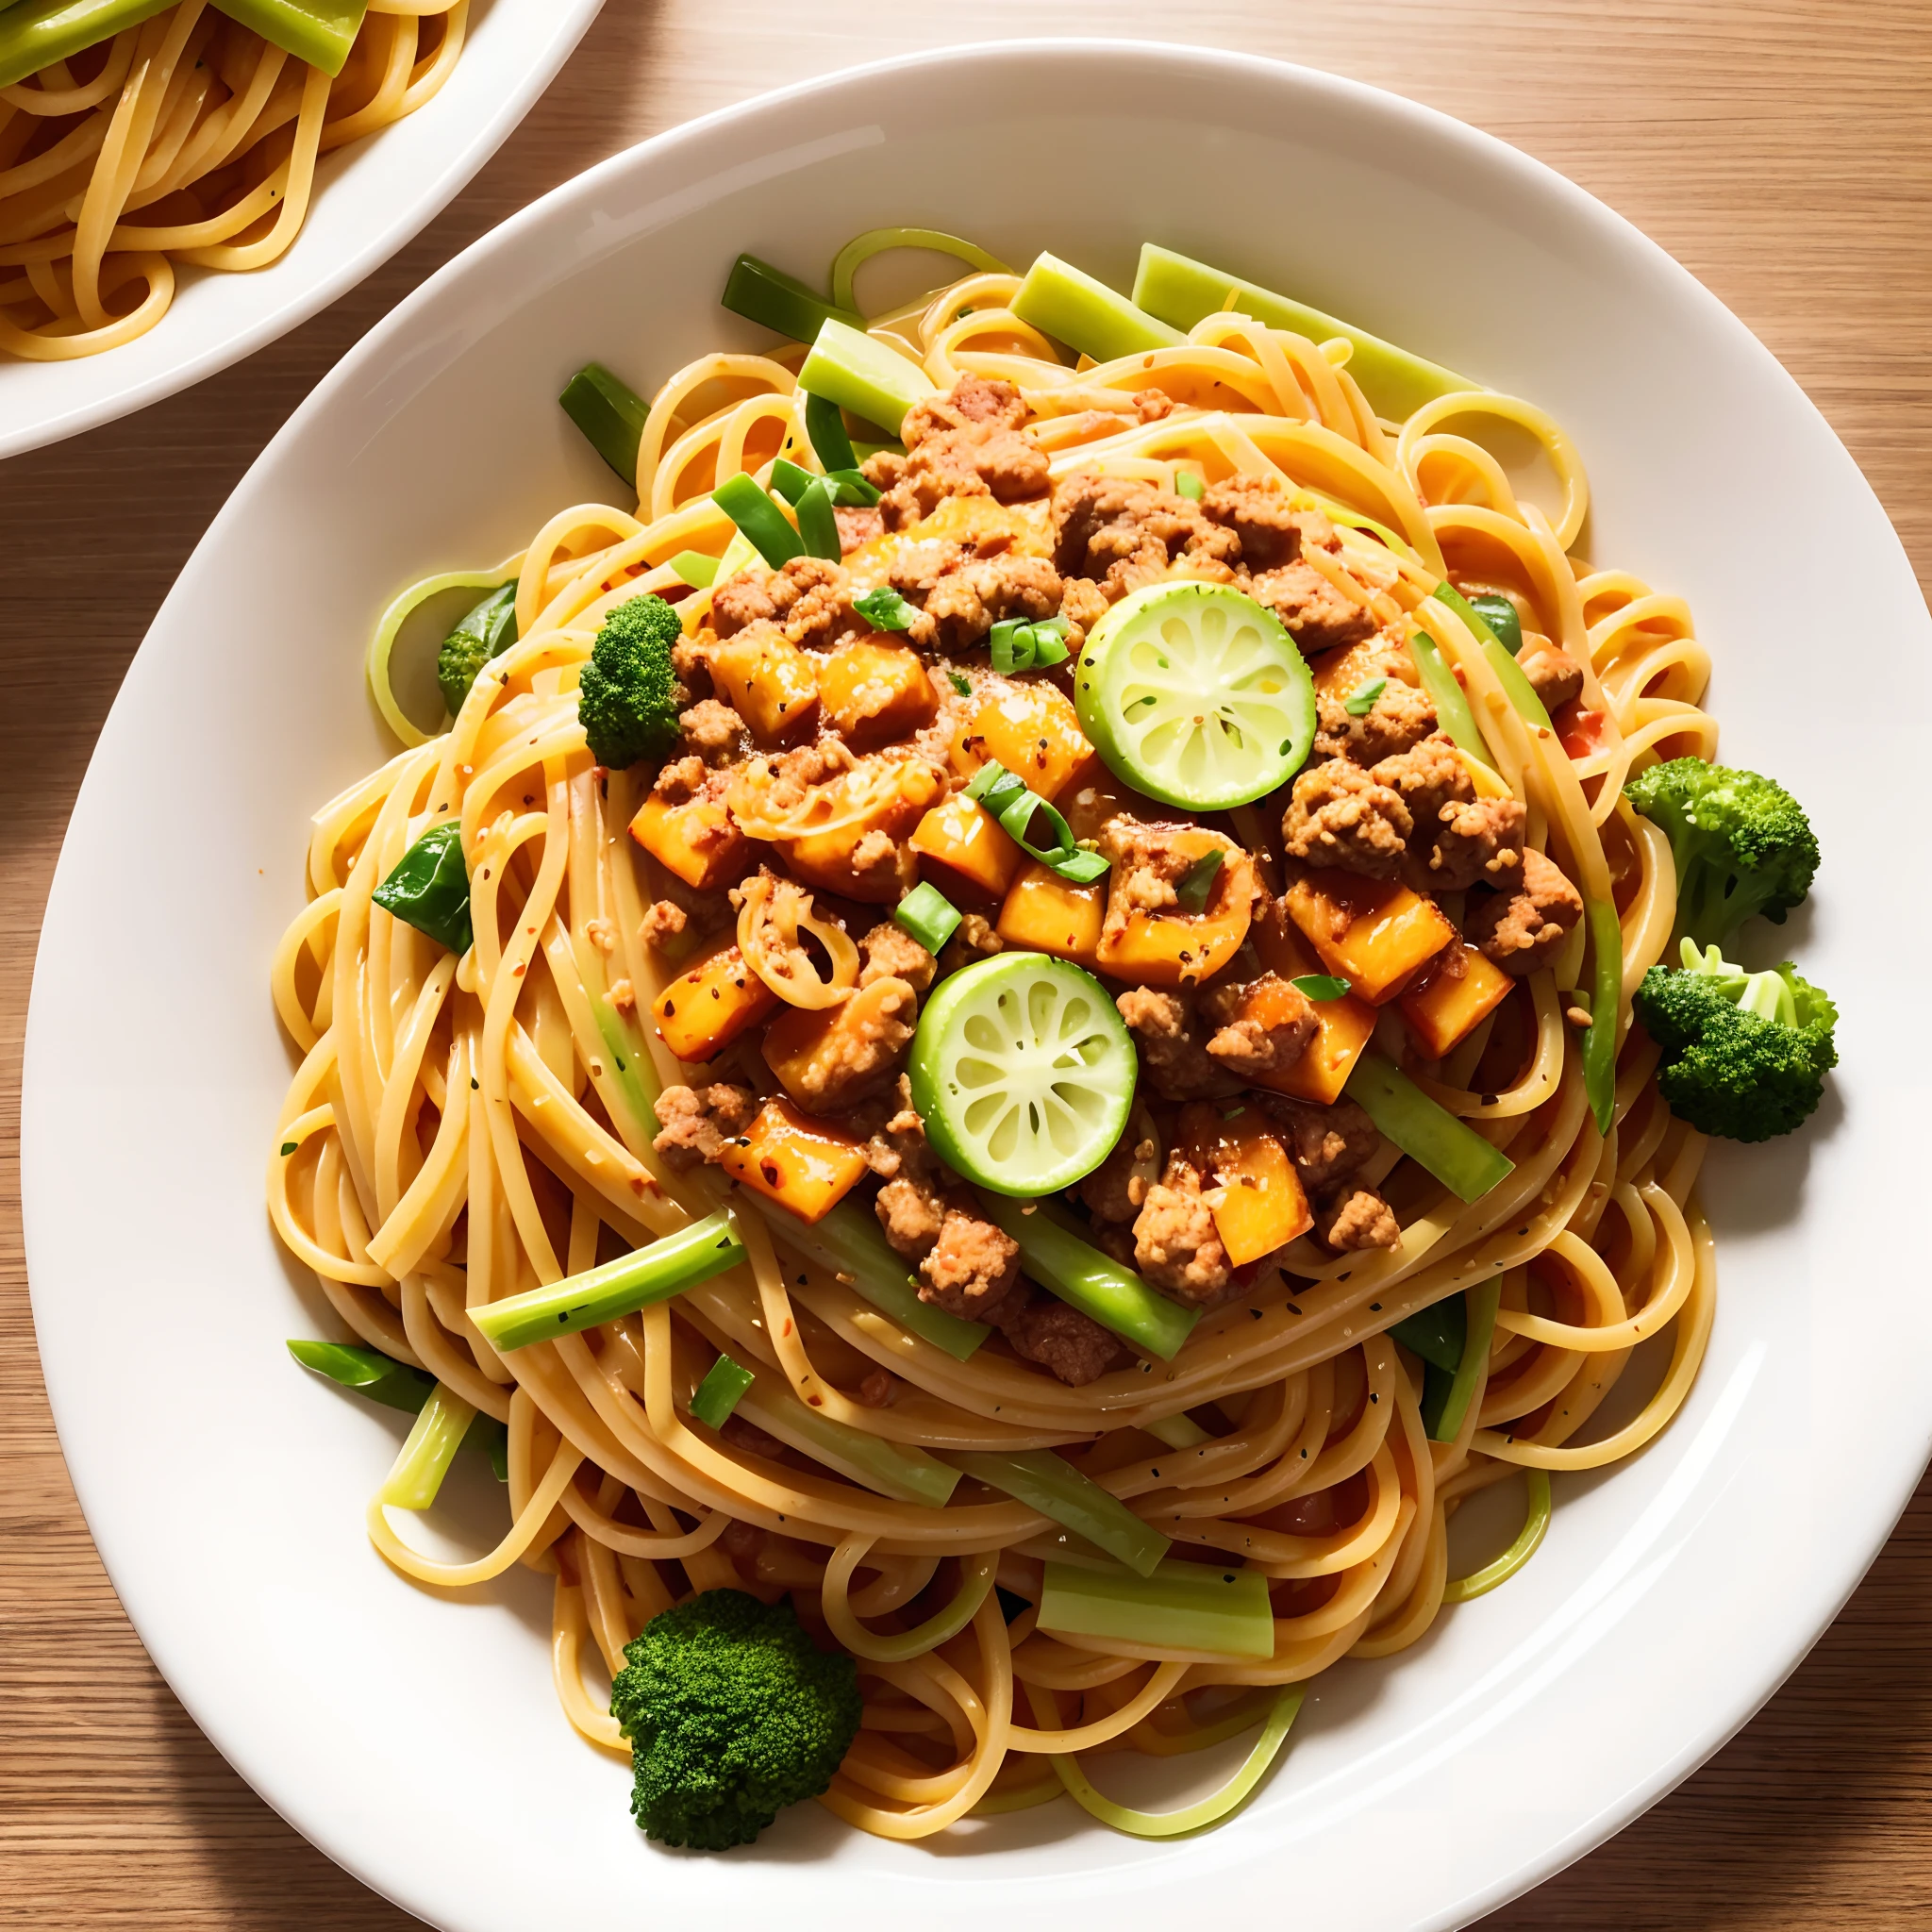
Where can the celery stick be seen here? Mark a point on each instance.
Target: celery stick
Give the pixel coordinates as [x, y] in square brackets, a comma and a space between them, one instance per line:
[35, 33]
[1179, 1606]
[1071, 305]
[721, 1392]
[1181, 292]
[318, 31]
[1522, 694]
[848, 368]
[1452, 712]
[891, 1469]
[1053, 1486]
[1600, 1043]
[848, 1243]
[669, 1266]
[440, 1424]
[1178, 1431]
[1094, 1283]
[1431, 1136]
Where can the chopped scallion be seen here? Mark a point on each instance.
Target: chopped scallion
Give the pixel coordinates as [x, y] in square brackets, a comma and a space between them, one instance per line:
[1320, 986]
[1199, 881]
[891, 1468]
[1053, 1486]
[718, 1393]
[759, 520]
[929, 915]
[612, 415]
[885, 609]
[817, 526]
[825, 423]
[1186, 483]
[1007, 799]
[1017, 645]
[1363, 700]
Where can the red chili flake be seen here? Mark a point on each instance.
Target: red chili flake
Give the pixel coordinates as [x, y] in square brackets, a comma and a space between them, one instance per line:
[785, 1331]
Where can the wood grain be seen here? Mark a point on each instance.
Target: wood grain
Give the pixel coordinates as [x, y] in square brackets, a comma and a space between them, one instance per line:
[1782, 151]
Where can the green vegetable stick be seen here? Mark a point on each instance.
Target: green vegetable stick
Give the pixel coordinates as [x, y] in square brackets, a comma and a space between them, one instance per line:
[818, 529]
[929, 915]
[1437, 1333]
[1181, 1606]
[1053, 1486]
[891, 1468]
[1444, 1407]
[848, 1243]
[1094, 1283]
[1181, 292]
[35, 33]
[825, 426]
[697, 570]
[318, 31]
[1178, 1431]
[848, 368]
[1600, 1043]
[1073, 307]
[1453, 711]
[768, 296]
[721, 1392]
[759, 520]
[611, 413]
[429, 887]
[669, 1265]
[440, 1424]
[1522, 694]
[396, 1385]
[1431, 1136]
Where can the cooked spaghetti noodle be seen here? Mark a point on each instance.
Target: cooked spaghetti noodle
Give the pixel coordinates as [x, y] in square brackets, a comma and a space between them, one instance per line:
[186, 138]
[465, 1131]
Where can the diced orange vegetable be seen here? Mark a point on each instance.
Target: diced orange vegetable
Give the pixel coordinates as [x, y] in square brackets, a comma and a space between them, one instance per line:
[1373, 932]
[807, 1166]
[1446, 1011]
[876, 796]
[1338, 673]
[1344, 1027]
[812, 1050]
[695, 839]
[1185, 948]
[1262, 1206]
[701, 1012]
[965, 843]
[767, 680]
[1033, 731]
[874, 692]
[1050, 915]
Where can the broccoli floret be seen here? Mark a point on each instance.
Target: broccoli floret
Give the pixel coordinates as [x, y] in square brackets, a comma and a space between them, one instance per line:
[1744, 1053]
[485, 631]
[1742, 844]
[733, 1713]
[628, 694]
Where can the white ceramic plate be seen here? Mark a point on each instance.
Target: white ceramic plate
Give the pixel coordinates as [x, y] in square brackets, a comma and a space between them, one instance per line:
[370, 198]
[417, 1741]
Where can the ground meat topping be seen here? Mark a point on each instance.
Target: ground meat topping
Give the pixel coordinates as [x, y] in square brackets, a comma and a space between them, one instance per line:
[1325, 1142]
[1172, 1048]
[1426, 778]
[970, 1268]
[974, 402]
[966, 601]
[1148, 863]
[1519, 930]
[889, 951]
[1317, 615]
[858, 525]
[665, 922]
[1554, 674]
[1122, 532]
[1074, 1346]
[809, 600]
[965, 443]
[1176, 1246]
[1357, 1218]
[1477, 843]
[1117, 1187]
[1262, 515]
[1263, 1027]
[1400, 717]
[697, 1122]
[713, 731]
[911, 1211]
[896, 1135]
[1342, 815]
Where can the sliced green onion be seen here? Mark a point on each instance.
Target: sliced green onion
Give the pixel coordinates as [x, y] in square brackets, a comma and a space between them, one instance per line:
[35, 33]
[776, 301]
[1209, 1810]
[817, 526]
[885, 609]
[1178, 1431]
[740, 554]
[429, 887]
[1053, 1486]
[427, 1451]
[1437, 1333]
[1600, 1043]
[1320, 986]
[318, 31]
[1017, 645]
[1362, 701]
[611, 413]
[669, 1265]
[961, 685]
[929, 915]
[1536, 1525]
[1188, 485]
[396, 1385]
[1198, 881]
[1216, 1607]
[1181, 292]
[759, 521]
[1075, 308]
[1505, 624]
[861, 248]
[790, 481]
[848, 1243]
[695, 568]
[1509, 674]
[825, 423]
[851, 368]
[1446, 1397]
[1007, 799]
[845, 487]
[1431, 1136]
[890, 1469]
[1453, 709]
[1083, 1277]
[718, 1393]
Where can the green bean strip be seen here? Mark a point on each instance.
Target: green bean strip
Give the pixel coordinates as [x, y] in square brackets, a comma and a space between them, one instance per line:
[1600, 1043]
[1482, 1302]
[1452, 712]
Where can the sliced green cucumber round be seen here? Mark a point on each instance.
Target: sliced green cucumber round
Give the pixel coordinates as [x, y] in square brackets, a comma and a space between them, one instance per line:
[1022, 1073]
[1195, 694]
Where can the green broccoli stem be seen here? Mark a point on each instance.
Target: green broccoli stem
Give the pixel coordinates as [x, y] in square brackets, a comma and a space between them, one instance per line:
[853, 371]
[1452, 712]
[1432, 1137]
[1056, 1257]
[1509, 674]
[427, 1451]
[669, 1266]
[1204, 1606]
[1074, 307]
[1057, 1490]
[1607, 980]
[1446, 1397]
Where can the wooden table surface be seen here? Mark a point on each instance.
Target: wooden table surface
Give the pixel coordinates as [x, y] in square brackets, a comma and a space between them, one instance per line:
[1782, 150]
